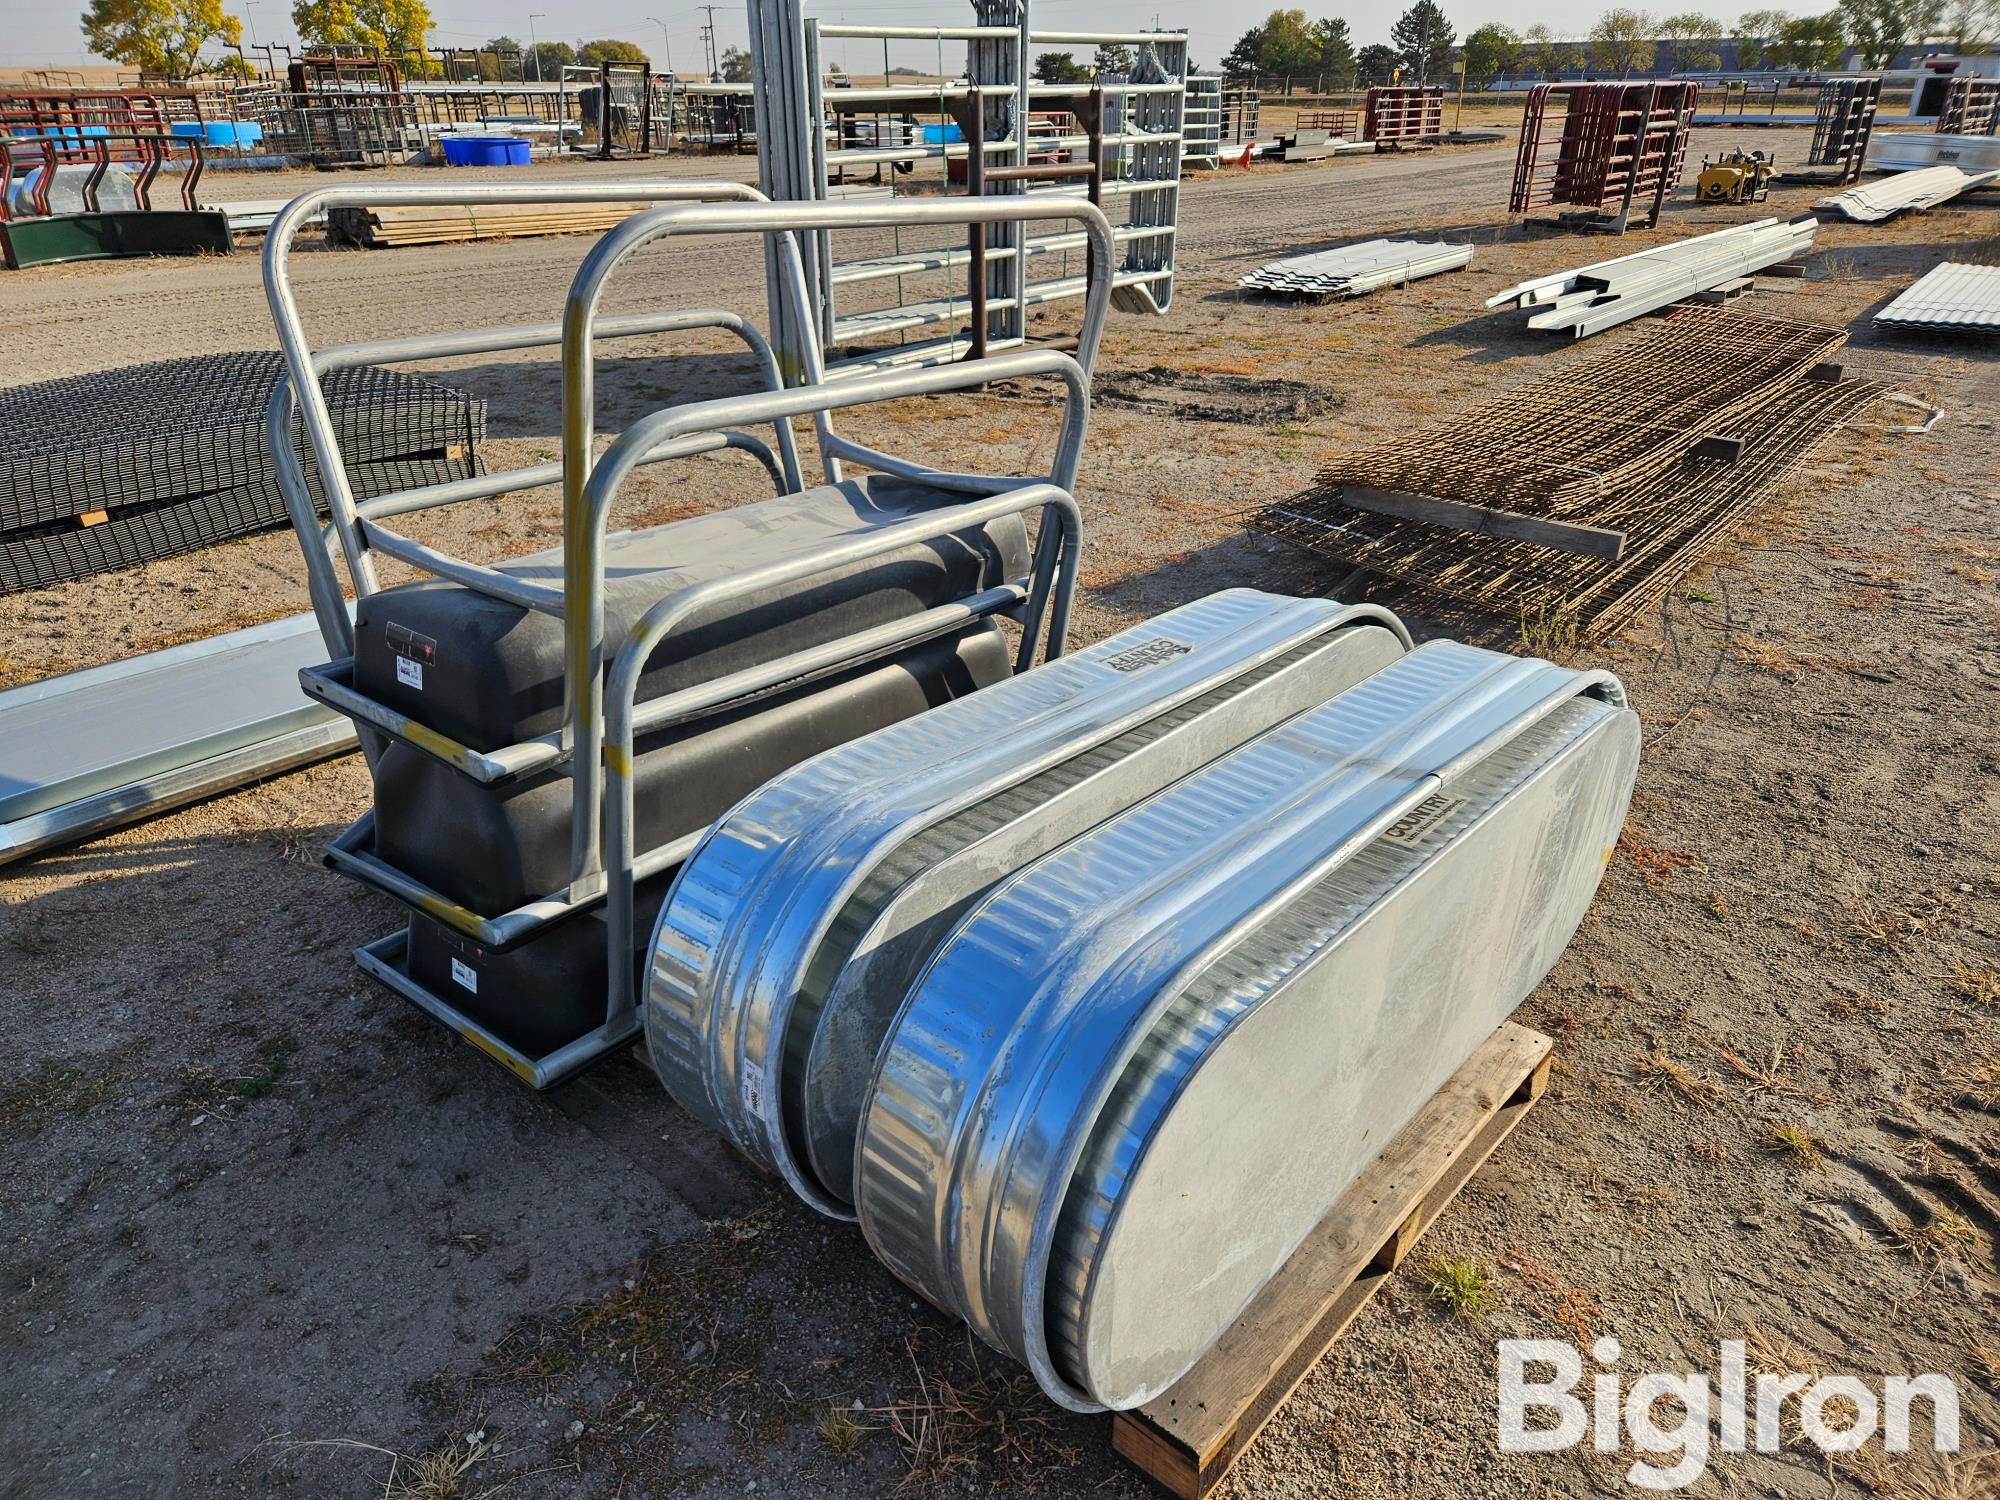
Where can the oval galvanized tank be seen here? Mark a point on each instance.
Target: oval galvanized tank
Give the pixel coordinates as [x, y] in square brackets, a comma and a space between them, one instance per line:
[1141, 1069]
[793, 932]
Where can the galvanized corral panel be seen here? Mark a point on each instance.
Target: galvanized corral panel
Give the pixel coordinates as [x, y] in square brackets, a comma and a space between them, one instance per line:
[1044, 1000]
[788, 887]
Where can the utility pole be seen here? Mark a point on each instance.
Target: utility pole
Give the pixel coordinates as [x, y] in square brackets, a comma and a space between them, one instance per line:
[708, 43]
[535, 51]
[250, 20]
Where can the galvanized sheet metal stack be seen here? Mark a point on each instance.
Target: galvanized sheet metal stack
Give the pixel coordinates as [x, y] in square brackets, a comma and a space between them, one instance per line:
[1925, 187]
[1595, 297]
[1355, 270]
[1953, 296]
[1198, 953]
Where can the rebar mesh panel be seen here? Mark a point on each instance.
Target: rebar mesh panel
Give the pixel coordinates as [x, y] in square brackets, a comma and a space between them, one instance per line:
[1670, 519]
[186, 427]
[1562, 443]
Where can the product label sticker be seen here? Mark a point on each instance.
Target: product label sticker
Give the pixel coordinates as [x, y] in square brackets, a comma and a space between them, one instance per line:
[410, 673]
[1146, 654]
[465, 976]
[1410, 829]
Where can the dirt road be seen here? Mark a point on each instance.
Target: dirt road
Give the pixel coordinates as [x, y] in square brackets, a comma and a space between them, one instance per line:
[257, 1212]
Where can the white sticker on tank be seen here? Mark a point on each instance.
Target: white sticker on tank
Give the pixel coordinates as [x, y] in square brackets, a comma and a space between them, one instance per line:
[410, 673]
[753, 1090]
[465, 975]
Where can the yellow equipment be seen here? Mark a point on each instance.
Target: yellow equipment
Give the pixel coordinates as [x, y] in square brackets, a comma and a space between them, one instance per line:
[1736, 178]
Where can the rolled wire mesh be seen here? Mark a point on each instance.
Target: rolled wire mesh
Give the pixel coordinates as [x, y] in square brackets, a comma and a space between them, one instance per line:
[1563, 444]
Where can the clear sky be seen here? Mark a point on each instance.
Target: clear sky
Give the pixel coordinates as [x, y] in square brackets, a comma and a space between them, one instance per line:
[45, 31]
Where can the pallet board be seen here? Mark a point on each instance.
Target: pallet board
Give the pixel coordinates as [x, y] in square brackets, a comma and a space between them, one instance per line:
[1188, 1439]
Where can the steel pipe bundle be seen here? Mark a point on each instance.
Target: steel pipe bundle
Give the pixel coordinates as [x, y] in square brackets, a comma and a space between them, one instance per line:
[1137, 959]
[1922, 188]
[1950, 297]
[1355, 270]
[1593, 298]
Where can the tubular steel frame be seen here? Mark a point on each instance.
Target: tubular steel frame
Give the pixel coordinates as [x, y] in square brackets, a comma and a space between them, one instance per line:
[1619, 145]
[602, 721]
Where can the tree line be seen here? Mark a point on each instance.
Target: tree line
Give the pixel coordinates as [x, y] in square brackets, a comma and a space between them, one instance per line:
[1423, 44]
[166, 37]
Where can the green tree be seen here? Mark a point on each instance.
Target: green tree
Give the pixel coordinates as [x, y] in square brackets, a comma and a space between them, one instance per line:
[1621, 41]
[1245, 58]
[1971, 25]
[394, 28]
[1336, 52]
[1112, 58]
[158, 36]
[1756, 31]
[549, 59]
[1489, 51]
[1423, 39]
[1377, 63]
[1691, 38]
[734, 65]
[1879, 29]
[1291, 45]
[611, 50]
[1541, 51]
[1811, 44]
[1060, 67]
[504, 67]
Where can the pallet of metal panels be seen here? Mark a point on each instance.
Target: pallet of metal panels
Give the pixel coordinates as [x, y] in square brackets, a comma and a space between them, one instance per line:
[1950, 298]
[1201, 124]
[1843, 125]
[1395, 115]
[1971, 106]
[1593, 298]
[1606, 149]
[1356, 270]
[930, 308]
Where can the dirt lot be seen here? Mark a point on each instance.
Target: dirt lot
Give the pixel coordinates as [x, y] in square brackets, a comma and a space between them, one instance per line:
[266, 1227]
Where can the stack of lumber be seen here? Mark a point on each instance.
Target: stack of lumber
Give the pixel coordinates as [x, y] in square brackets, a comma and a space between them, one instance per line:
[440, 224]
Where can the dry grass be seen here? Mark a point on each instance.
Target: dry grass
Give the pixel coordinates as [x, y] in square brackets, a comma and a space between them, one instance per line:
[1976, 1080]
[842, 1431]
[964, 1421]
[1556, 1300]
[444, 1474]
[1655, 1070]
[1980, 986]
[1655, 863]
[1462, 1287]
[1793, 1143]
[1770, 1078]
[1947, 1240]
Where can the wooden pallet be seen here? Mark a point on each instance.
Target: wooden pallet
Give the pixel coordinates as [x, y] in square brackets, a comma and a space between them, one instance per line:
[1191, 1436]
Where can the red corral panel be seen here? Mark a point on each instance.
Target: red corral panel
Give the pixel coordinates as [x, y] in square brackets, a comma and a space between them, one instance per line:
[1598, 145]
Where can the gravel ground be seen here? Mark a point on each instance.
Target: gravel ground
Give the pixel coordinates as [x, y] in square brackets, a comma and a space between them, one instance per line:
[267, 1227]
